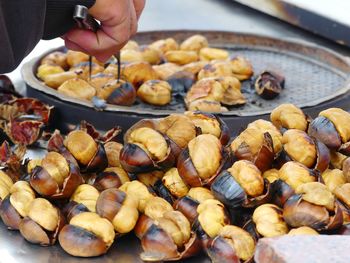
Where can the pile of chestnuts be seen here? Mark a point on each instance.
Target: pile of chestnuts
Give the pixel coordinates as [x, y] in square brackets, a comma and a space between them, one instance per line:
[183, 186]
[208, 79]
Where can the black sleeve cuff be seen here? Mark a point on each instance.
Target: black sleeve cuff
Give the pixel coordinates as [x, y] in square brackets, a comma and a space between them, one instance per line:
[59, 16]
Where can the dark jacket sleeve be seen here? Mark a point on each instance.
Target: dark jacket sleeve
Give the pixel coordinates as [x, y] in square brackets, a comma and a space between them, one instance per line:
[24, 22]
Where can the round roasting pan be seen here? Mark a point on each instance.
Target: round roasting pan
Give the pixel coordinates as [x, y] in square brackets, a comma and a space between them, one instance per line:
[316, 78]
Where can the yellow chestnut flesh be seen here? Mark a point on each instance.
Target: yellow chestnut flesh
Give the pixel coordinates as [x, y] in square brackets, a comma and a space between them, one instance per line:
[112, 151]
[181, 57]
[208, 54]
[333, 178]
[56, 165]
[56, 80]
[200, 194]
[271, 175]
[248, 176]
[21, 197]
[130, 55]
[164, 71]
[5, 185]
[76, 57]
[165, 45]
[156, 207]
[316, 193]
[126, 218]
[300, 147]
[205, 153]
[343, 193]
[81, 145]
[139, 191]
[123, 176]
[77, 88]
[87, 195]
[207, 125]
[156, 92]
[194, 43]
[295, 174]
[44, 213]
[303, 230]
[174, 183]
[340, 119]
[289, 116]
[92, 222]
[152, 140]
[269, 221]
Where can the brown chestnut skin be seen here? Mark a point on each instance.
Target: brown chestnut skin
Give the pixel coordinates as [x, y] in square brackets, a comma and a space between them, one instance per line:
[267, 85]
[124, 93]
[281, 192]
[324, 130]
[72, 209]
[81, 243]
[297, 212]
[10, 217]
[188, 207]
[110, 178]
[220, 251]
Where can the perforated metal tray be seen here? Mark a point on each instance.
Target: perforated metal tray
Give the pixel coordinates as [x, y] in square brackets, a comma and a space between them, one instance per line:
[315, 78]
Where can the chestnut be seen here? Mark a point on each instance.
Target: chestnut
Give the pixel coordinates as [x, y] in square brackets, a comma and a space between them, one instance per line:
[200, 194]
[179, 128]
[233, 244]
[181, 57]
[169, 238]
[77, 57]
[111, 177]
[146, 150]
[202, 160]
[85, 68]
[99, 80]
[242, 69]
[241, 185]
[118, 92]
[151, 55]
[212, 217]
[137, 73]
[330, 128]
[206, 105]
[342, 193]
[338, 161]
[87, 235]
[139, 191]
[289, 116]
[187, 206]
[333, 178]
[87, 195]
[174, 183]
[56, 80]
[77, 88]
[271, 175]
[269, 222]
[194, 67]
[165, 45]
[55, 177]
[208, 54]
[155, 92]
[268, 85]
[42, 223]
[165, 70]
[194, 43]
[45, 70]
[303, 230]
[130, 55]
[56, 58]
[119, 208]
[15, 205]
[90, 155]
[232, 91]
[5, 185]
[313, 205]
[181, 82]
[112, 152]
[210, 124]
[131, 44]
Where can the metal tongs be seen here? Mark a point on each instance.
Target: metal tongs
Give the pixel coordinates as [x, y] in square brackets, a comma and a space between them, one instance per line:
[85, 21]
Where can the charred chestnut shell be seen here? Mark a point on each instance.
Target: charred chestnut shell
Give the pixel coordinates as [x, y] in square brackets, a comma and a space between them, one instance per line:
[269, 85]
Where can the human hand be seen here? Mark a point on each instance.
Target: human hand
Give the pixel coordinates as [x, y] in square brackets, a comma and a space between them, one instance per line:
[118, 23]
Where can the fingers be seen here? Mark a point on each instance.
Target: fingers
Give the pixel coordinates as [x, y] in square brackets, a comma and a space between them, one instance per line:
[139, 6]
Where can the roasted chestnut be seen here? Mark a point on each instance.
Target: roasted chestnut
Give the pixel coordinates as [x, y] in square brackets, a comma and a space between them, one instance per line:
[268, 85]
[241, 68]
[130, 55]
[343, 194]
[296, 174]
[56, 80]
[15, 206]
[131, 45]
[215, 69]
[208, 54]
[5, 185]
[151, 55]
[138, 72]
[232, 91]
[194, 43]
[156, 207]
[330, 127]
[118, 92]
[111, 177]
[233, 244]
[260, 142]
[271, 175]
[181, 57]
[181, 82]
[165, 45]
[42, 223]
[174, 183]
[77, 88]
[149, 179]
[289, 116]
[87, 235]
[76, 57]
[90, 155]
[146, 150]
[212, 217]
[55, 176]
[99, 80]
[314, 206]
[112, 151]
[165, 70]
[156, 92]
[84, 69]
[169, 238]
[303, 230]
[206, 105]
[194, 67]
[200, 194]
[119, 208]
[45, 70]
[139, 191]
[202, 160]
[56, 58]
[333, 178]
[241, 185]
[210, 124]
[268, 219]
[87, 195]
